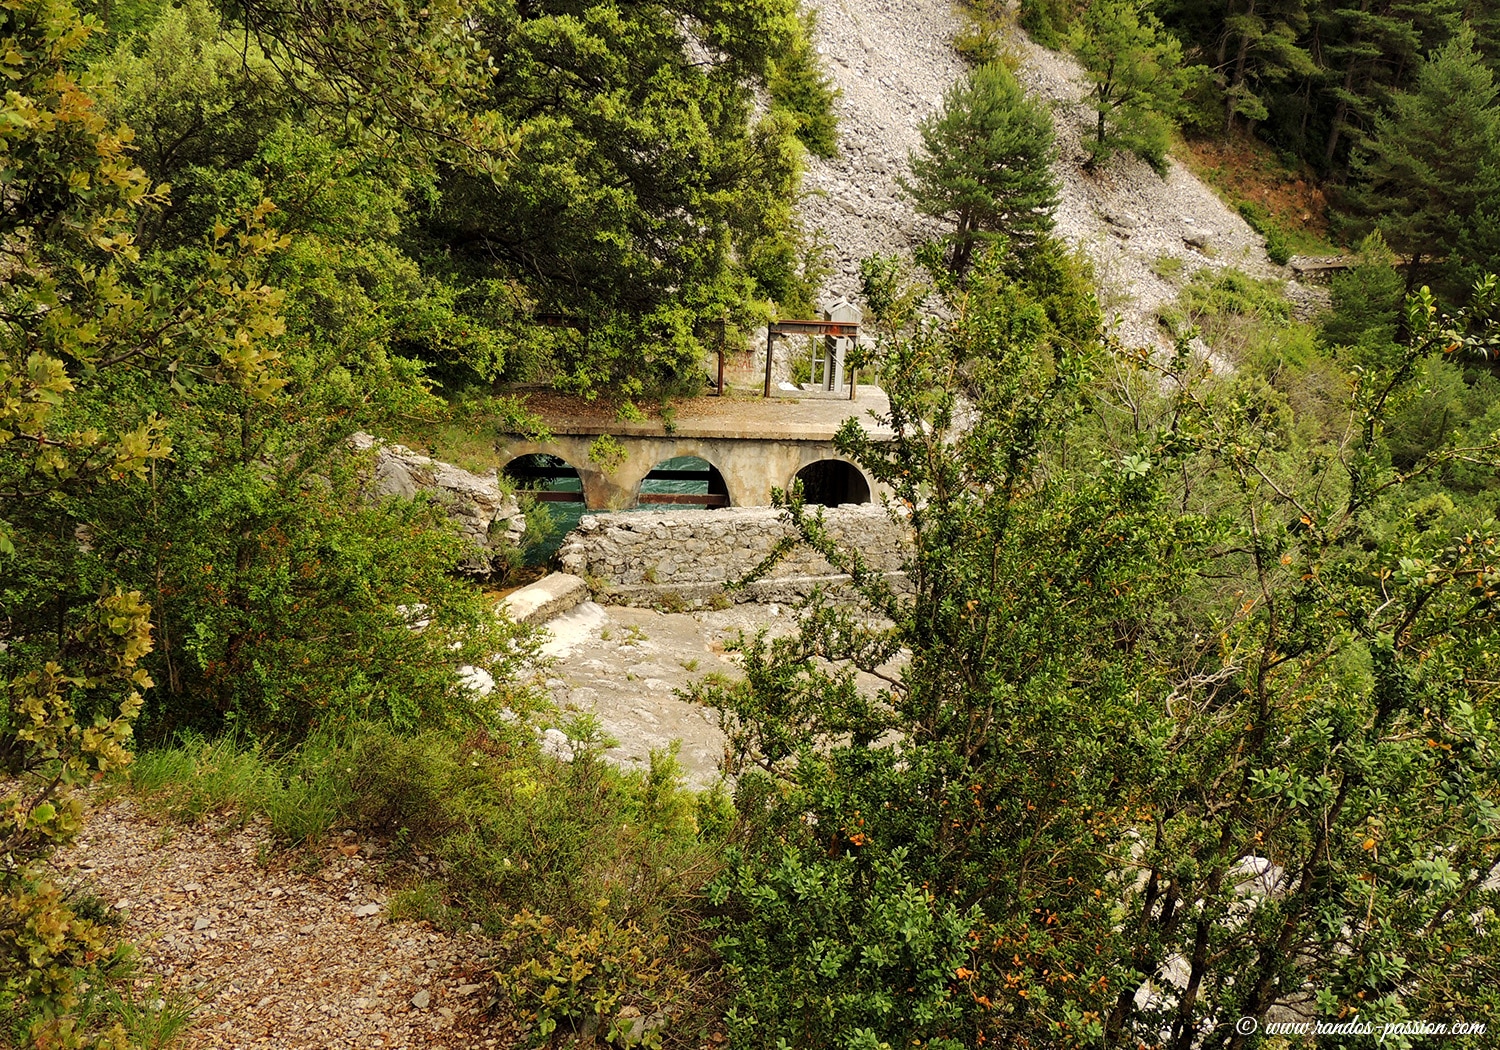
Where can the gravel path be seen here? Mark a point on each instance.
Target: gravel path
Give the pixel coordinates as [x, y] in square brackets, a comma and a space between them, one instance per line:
[276, 959]
[892, 59]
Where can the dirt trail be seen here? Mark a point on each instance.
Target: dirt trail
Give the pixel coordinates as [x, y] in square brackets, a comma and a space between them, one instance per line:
[277, 960]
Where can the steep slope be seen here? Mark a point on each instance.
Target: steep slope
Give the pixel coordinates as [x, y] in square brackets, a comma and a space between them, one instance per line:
[892, 60]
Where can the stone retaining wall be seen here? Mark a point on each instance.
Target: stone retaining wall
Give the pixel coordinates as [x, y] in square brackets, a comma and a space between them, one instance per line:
[686, 557]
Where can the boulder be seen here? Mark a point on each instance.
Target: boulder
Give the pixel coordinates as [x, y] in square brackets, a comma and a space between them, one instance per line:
[1197, 237]
[550, 596]
[486, 515]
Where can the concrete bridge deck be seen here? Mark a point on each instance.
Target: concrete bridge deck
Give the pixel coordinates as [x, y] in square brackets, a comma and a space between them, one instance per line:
[754, 444]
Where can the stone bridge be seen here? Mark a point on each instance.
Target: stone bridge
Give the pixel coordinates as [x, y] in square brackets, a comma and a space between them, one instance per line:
[751, 446]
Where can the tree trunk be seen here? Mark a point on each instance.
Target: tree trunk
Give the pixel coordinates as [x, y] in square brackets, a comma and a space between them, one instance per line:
[1340, 114]
[1341, 111]
[1240, 59]
[1411, 272]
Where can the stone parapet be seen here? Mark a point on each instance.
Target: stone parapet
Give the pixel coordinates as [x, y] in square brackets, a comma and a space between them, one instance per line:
[687, 558]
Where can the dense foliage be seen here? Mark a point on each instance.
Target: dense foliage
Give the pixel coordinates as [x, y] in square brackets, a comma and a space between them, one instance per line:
[227, 246]
[1136, 79]
[71, 652]
[1391, 106]
[1184, 713]
[1187, 715]
[608, 166]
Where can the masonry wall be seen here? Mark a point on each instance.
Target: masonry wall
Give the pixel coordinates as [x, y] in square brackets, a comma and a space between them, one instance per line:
[686, 557]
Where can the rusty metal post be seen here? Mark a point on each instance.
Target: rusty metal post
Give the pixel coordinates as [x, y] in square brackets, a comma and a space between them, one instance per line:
[723, 338]
[770, 345]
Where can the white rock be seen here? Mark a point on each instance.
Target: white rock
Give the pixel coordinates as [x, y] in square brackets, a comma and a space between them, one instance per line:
[556, 743]
[476, 680]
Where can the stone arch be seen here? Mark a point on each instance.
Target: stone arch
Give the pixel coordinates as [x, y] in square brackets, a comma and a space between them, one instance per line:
[544, 472]
[657, 486]
[831, 482]
[600, 491]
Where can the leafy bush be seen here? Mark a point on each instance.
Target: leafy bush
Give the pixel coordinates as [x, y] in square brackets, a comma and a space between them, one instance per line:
[1210, 297]
[804, 979]
[1173, 687]
[607, 978]
[1167, 267]
[1278, 248]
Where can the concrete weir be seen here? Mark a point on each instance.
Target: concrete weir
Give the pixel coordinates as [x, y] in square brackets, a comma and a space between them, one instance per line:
[755, 445]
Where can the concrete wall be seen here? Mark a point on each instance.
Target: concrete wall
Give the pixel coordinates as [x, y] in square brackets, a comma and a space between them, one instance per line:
[751, 467]
[646, 557]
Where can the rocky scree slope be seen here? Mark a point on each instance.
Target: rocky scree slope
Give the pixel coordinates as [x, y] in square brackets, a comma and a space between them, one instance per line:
[893, 59]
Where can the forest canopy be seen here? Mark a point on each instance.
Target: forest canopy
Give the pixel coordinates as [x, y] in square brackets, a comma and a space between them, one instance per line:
[607, 163]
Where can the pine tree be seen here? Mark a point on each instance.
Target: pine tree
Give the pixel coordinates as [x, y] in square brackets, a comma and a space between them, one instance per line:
[1261, 46]
[985, 164]
[1424, 168]
[1137, 79]
[1370, 49]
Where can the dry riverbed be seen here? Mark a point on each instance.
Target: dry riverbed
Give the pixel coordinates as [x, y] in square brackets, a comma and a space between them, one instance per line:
[629, 667]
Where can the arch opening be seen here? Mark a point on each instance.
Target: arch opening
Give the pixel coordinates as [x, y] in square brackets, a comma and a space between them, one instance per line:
[549, 479]
[690, 481]
[557, 488]
[831, 482]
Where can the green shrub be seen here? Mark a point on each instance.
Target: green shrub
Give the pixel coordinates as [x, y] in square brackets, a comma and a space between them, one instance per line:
[1167, 267]
[1366, 305]
[605, 977]
[606, 453]
[799, 86]
[1233, 293]
[577, 867]
[1047, 20]
[1278, 247]
[804, 979]
[978, 43]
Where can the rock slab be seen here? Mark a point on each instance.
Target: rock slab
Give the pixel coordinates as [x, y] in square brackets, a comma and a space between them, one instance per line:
[550, 596]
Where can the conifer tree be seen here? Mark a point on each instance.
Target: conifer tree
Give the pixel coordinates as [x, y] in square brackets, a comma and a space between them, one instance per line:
[985, 164]
[1261, 45]
[1370, 50]
[1423, 170]
[1136, 78]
